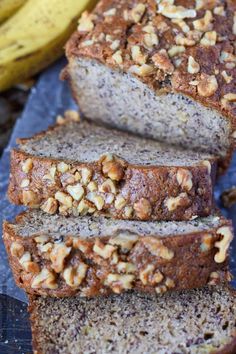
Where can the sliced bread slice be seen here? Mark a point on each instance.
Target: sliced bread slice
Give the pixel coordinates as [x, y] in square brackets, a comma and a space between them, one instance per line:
[160, 70]
[80, 168]
[88, 256]
[194, 322]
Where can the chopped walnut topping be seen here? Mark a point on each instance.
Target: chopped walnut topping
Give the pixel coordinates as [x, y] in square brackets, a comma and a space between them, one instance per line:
[27, 264]
[128, 211]
[45, 279]
[161, 289]
[117, 57]
[193, 66]
[207, 86]
[184, 178]
[75, 275]
[148, 275]
[223, 244]
[85, 206]
[104, 251]
[169, 283]
[214, 278]
[173, 203]
[113, 169]
[143, 70]
[207, 164]
[143, 209]
[162, 61]
[110, 12]
[64, 199]
[119, 282]
[27, 165]
[209, 39]
[51, 175]
[92, 186]
[156, 248]
[120, 202]
[86, 175]
[137, 55]
[219, 10]
[108, 187]
[126, 267]
[137, 12]
[63, 167]
[76, 191]
[42, 239]
[58, 255]
[176, 50]
[85, 22]
[25, 183]
[226, 77]
[125, 240]
[17, 249]
[184, 41]
[50, 206]
[150, 40]
[96, 199]
[31, 199]
[182, 24]
[204, 24]
[172, 11]
[115, 44]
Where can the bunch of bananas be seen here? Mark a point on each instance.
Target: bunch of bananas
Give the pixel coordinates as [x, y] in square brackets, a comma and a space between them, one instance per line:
[33, 34]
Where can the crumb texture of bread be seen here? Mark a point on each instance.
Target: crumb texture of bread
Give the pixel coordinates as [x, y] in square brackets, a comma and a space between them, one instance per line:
[198, 321]
[82, 168]
[162, 69]
[89, 256]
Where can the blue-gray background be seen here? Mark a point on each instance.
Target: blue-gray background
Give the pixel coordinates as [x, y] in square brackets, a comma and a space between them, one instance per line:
[49, 98]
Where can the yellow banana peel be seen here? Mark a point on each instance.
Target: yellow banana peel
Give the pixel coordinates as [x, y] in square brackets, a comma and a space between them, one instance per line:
[34, 37]
[9, 7]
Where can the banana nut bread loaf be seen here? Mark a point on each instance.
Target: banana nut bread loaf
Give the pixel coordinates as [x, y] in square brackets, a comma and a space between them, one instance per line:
[196, 322]
[87, 256]
[164, 69]
[78, 168]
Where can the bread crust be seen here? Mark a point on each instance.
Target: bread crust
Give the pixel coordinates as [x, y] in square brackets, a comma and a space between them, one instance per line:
[178, 79]
[179, 262]
[148, 192]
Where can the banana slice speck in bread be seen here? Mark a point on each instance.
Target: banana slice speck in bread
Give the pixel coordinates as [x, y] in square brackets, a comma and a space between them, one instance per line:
[81, 168]
[198, 321]
[87, 256]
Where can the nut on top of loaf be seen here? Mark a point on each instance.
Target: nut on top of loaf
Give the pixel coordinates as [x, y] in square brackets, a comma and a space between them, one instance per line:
[187, 45]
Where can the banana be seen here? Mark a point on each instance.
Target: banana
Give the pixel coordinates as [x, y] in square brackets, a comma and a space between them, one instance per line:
[8, 7]
[34, 37]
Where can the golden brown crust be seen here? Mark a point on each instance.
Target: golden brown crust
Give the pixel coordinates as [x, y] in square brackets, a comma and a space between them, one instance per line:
[127, 191]
[91, 267]
[116, 34]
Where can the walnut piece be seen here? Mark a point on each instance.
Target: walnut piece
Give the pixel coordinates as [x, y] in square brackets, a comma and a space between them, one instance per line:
[58, 255]
[64, 199]
[193, 66]
[17, 249]
[148, 276]
[45, 279]
[113, 169]
[104, 251]
[207, 86]
[184, 179]
[155, 247]
[119, 282]
[27, 165]
[50, 206]
[85, 22]
[173, 203]
[75, 275]
[125, 240]
[143, 209]
[76, 191]
[223, 244]
[162, 61]
[30, 199]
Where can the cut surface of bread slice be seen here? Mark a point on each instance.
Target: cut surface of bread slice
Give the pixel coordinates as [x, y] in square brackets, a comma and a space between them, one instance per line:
[88, 256]
[153, 71]
[193, 322]
[80, 168]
